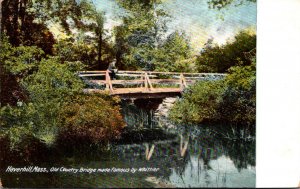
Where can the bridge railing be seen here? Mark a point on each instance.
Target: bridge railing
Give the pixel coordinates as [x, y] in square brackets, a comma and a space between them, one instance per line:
[147, 80]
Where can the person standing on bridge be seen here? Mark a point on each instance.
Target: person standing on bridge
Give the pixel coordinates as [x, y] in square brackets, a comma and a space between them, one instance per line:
[112, 69]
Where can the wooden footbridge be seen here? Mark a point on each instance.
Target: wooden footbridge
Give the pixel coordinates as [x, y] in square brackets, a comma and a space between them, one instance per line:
[142, 84]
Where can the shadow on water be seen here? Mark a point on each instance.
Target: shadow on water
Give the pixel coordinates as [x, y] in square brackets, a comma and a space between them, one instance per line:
[187, 156]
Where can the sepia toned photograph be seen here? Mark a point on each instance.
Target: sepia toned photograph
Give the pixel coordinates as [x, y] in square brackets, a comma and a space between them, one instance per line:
[128, 93]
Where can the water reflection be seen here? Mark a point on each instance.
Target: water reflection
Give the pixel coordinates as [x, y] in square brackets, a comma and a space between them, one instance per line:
[201, 157]
[198, 161]
[220, 172]
[191, 156]
[139, 113]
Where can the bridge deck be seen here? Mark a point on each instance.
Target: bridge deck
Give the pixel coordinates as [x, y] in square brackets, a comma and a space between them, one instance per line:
[145, 90]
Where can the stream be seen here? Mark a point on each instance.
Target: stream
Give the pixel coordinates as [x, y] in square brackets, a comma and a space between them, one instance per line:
[150, 155]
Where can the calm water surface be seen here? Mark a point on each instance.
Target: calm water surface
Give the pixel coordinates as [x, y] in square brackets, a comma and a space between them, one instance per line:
[188, 156]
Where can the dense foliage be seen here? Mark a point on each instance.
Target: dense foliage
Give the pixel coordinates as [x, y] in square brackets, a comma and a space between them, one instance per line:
[53, 90]
[91, 118]
[41, 94]
[219, 58]
[199, 103]
[232, 100]
[142, 42]
[220, 4]
[174, 55]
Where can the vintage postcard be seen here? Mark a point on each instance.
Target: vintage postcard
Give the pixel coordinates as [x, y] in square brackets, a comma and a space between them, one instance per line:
[128, 93]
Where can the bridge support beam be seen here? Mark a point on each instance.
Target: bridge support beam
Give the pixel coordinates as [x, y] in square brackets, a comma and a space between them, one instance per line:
[147, 82]
[183, 84]
[148, 95]
[108, 84]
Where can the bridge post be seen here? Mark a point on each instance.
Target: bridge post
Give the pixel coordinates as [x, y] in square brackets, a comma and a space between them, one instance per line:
[149, 152]
[147, 82]
[106, 80]
[183, 148]
[108, 84]
[182, 82]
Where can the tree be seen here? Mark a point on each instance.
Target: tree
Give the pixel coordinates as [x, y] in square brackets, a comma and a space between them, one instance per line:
[54, 103]
[69, 14]
[105, 52]
[56, 106]
[26, 22]
[215, 58]
[174, 54]
[142, 41]
[16, 64]
[144, 25]
[53, 81]
[21, 27]
[47, 88]
[1, 20]
[220, 4]
[99, 31]
[88, 41]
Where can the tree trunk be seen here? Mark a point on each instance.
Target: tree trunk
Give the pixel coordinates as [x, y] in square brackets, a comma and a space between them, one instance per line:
[1, 69]
[99, 49]
[15, 24]
[0, 20]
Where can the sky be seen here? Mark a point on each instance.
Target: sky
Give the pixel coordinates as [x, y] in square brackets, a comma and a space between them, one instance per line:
[195, 18]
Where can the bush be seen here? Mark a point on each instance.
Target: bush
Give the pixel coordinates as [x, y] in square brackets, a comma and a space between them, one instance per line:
[57, 105]
[20, 61]
[238, 103]
[16, 123]
[199, 103]
[232, 100]
[53, 81]
[92, 118]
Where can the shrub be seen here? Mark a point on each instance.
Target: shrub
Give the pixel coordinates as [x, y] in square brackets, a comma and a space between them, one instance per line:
[199, 103]
[232, 100]
[16, 123]
[239, 99]
[57, 105]
[92, 118]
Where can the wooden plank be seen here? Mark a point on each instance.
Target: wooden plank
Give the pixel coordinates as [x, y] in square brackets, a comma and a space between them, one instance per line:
[91, 75]
[108, 82]
[153, 72]
[183, 81]
[196, 78]
[99, 82]
[93, 71]
[95, 91]
[139, 92]
[142, 90]
[119, 82]
[145, 81]
[127, 82]
[164, 81]
[148, 81]
[133, 75]
[169, 73]
[141, 81]
[150, 152]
